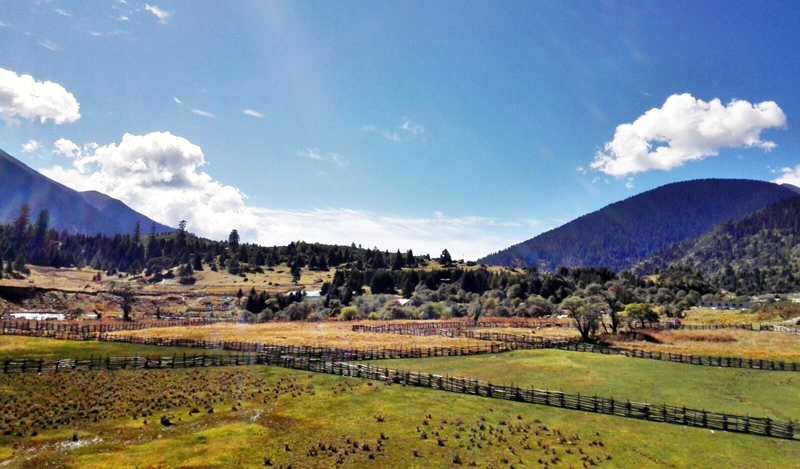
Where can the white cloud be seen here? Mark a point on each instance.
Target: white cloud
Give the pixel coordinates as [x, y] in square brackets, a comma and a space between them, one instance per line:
[123, 18]
[23, 96]
[407, 128]
[4, 25]
[61, 12]
[311, 153]
[49, 45]
[250, 112]
[789, 176]
[160, 14]
[203, 113]
[413, 128]
[686, 129]
[177, 100]
[629, 183]
[67, 148]
[31, 146]
[315, 154]
[159, 175]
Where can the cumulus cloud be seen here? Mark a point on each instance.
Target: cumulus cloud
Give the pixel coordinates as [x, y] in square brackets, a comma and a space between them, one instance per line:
[160, 14]
[250, 112]
[31, 146]
[789, 176]
[686, 129]
[23, 96]
[160, 175]
[67, 148]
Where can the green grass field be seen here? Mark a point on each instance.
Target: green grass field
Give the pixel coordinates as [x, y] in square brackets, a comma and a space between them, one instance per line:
[771, 394]
[258, 410]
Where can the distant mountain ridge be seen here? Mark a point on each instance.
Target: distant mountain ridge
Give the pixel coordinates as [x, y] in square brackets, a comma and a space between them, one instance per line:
[77, 212]
[619, 235]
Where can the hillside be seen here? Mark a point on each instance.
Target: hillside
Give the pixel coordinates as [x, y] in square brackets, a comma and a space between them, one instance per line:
[757, 254]
[77, 212]
[619, 235]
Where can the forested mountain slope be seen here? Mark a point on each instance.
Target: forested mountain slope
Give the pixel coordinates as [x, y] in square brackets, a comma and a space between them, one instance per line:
[77, 212]
[619, 235]
[757, 254]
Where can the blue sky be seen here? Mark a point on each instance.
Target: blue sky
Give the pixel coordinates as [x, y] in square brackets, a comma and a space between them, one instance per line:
[422, 125]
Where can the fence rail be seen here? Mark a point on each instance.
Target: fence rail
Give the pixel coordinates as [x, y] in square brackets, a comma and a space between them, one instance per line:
[42, 365]
[704, 360]
[29, 327]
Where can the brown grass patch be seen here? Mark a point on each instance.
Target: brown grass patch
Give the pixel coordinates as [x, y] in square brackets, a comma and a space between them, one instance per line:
[730, 343]
[323, 334]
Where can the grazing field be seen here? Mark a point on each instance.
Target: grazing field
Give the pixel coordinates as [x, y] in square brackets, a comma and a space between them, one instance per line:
[323, 334]
[263, 414]
[544, 332]
[776, 313]
[723, 342]
[748, 392]
[36, 347]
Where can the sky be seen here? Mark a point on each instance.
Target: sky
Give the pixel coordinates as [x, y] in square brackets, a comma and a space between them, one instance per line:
[469, 126]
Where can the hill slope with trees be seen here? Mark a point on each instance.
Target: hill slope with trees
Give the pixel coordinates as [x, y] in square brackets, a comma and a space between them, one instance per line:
[619, 235]
[757, 254]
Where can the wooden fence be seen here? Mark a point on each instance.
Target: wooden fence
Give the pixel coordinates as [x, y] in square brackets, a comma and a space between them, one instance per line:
[376, 353]
[43, 328]
[705, 360]
[601, 405]
[41, 365]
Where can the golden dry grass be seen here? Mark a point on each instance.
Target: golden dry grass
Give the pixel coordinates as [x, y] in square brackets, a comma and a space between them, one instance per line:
[725, 343]
[545, 332]
[770, 314]
[324, 334]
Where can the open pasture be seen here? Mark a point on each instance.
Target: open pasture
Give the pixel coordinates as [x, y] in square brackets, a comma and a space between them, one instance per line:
[755, 345]
[161, 418]
[321, 334]
[776, 313]
[37, 347]
[747, 392]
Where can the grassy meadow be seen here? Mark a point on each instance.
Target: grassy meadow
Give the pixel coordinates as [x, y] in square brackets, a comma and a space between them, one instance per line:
[263, 414]
[772, 394]
[35, 347]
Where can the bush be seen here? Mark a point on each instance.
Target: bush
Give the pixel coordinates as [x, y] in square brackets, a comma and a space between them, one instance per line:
[373, 316]
[349, 313]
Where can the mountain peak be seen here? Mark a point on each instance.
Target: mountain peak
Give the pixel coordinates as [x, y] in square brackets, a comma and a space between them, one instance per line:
[89, 212]
[620, 234]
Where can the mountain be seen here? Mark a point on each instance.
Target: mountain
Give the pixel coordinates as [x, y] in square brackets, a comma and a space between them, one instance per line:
[620, 234]
[791, 187]
[759, 253]
[77, 212]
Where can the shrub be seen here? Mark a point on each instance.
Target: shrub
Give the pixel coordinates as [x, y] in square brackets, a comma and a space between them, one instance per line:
[349, 313]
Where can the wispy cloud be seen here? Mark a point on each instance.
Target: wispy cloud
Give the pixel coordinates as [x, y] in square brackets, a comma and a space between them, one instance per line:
[250, 112]
[311, 153]
[123, 18]
[61, 12]
[4, 25]
[413, 128]
[203, 113]
[177, 100]
[315, 154]
[401, 133]
[49, 45]
[158, 12]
